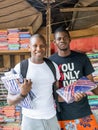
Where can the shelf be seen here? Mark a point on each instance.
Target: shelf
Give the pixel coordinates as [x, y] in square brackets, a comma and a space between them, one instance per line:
[9, 58]
[14, 51]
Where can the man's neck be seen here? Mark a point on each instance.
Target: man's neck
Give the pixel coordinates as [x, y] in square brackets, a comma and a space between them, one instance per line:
[64, 53]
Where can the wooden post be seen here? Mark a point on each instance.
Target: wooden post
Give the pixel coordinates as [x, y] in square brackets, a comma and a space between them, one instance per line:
[6, 61]
[48, 28]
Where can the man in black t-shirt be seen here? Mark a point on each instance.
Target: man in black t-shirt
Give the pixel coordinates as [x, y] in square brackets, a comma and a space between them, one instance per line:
[72, 66]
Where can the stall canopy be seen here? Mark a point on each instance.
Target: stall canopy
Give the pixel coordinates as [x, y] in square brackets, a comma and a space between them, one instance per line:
[19, 13]
[73, 14]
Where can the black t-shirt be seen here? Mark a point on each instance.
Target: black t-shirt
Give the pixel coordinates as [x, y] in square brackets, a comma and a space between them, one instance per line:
[72, 68]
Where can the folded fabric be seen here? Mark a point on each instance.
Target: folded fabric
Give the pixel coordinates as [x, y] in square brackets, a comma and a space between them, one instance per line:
[3, 47]
[11, 30]
[25, 40]
[24, 46]
[93, 102]
[13, 39]
[93, 97]
[82, 85]
[11, 85]
[24, 35]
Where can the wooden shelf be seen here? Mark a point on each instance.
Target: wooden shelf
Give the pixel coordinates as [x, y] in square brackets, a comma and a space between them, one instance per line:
[9, 58]
[14, 51]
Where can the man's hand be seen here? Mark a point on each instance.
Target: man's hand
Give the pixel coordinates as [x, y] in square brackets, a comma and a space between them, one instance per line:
[25, 87]
[79, 96]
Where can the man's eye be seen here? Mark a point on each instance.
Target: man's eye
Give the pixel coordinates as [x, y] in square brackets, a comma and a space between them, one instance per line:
[34, 45]
[62, 38]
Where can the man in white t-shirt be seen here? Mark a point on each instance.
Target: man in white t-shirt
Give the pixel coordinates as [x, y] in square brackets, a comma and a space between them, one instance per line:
[39, 80]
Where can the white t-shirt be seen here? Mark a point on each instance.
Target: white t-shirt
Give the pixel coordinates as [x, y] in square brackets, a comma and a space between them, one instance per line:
[42, 79]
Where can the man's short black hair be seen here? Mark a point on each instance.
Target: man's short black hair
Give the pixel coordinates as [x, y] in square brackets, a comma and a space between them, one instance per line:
[39, 36]
[61, 29]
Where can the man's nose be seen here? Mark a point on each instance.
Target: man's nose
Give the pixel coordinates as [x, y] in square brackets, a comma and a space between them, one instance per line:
[62, 39]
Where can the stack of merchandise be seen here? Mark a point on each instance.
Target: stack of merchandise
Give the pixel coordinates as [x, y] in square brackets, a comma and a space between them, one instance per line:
[9, 80]
[9, 127]
[9, 115]
[3, 40]
[13, 39]
[3, 92]
[82, 85]
[93, 99]
[24, 36]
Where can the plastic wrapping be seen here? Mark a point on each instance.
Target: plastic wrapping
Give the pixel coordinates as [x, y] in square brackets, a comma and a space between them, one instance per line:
[11, 85]
[82, 85]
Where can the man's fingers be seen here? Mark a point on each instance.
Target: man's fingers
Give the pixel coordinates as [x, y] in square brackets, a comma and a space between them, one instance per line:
[79, 96]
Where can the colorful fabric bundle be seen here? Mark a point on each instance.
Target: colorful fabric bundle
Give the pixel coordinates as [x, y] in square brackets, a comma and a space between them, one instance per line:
[24, 39]
[3, 40]
[13, 30]
[11, 85]
[13, 39]
[3, 46]
[25, 35]
[14, 46]
[82, 85]
[93, 99]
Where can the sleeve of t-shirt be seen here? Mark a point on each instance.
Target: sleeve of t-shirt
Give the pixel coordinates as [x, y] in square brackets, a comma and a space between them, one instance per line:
[88, 68]
[57, 71]
[17, 68]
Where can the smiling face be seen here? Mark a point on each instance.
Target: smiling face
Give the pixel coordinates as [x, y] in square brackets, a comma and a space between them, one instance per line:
[62, 41]
[37, 48]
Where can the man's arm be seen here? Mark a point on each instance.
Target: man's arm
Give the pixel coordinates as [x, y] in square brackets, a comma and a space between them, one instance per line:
[95, 91]
[14, 99]
[25, 88]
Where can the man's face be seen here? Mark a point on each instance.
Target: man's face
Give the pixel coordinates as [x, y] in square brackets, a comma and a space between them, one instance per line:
[62, 41]
[37, 47]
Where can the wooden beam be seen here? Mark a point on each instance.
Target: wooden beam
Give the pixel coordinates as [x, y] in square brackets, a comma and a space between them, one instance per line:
[79, 9]
[93, 31]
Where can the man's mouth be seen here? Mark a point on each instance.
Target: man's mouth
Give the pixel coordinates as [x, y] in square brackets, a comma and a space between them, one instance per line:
[62, 45]
[38, 53]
